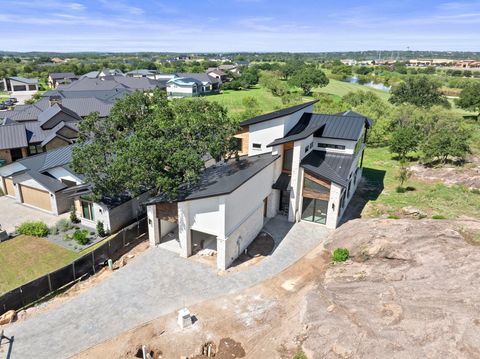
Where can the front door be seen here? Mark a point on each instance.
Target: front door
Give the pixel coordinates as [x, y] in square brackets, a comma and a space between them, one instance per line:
[284, 202]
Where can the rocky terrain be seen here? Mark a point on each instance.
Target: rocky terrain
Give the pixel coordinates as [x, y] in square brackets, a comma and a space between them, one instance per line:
[410, 290]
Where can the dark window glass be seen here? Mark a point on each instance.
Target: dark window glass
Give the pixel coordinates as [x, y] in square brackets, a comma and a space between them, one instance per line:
[326, 145]
[257, 145]
[287, 159]
[309, 184]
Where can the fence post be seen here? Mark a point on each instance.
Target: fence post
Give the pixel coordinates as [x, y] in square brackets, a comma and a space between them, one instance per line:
[49, 282]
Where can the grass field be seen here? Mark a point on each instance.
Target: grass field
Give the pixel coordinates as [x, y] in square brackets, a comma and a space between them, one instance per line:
[25, 258]
[340, 88]
[435, 199]
[233, 100]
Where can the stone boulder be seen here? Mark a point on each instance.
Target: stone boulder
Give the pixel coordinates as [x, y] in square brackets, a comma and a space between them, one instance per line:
[413, 212]
[8, 317]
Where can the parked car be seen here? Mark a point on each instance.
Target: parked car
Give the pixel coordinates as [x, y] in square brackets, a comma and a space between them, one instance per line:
[2, 106]
[13, 99]
[9, 103]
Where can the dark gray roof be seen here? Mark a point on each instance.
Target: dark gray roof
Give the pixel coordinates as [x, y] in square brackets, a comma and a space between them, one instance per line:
[13, 135]
[24, 80]
[221, 179]
[333, 167]
[62, 75]
[277, 114]
[103, 95]
[46, 160]
[49, 113]
[142, 72]
[203, 77]
[356, 114]
[283, 182]
[326, 126]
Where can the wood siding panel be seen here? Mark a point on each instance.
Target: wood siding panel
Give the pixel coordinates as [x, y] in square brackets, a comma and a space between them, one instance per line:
[167, 212]
[9, 187]
[310, 193]
[243, 134]
[320, 181]
[36, 198]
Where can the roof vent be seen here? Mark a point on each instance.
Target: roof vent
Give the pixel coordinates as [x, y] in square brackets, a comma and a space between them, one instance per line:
[55, 100]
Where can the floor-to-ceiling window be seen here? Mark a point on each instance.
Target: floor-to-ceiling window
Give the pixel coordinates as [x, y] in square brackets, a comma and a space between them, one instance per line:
[316, 195]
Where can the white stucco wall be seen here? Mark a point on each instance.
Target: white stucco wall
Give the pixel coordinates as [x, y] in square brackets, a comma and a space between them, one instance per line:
[241, 203]
[230, 248]
[204, 215]
[266, 132]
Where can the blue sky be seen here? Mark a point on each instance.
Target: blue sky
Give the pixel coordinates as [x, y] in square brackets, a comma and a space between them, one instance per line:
[239, 25]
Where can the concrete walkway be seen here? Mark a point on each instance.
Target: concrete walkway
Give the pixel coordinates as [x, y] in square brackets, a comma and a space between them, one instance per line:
[155, 283]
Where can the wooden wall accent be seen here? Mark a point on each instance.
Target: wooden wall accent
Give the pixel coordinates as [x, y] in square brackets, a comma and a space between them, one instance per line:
[167, 212]
[314, 194]
[243, 135]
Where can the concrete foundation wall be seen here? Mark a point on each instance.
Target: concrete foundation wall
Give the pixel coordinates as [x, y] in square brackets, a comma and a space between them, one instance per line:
[230, 248]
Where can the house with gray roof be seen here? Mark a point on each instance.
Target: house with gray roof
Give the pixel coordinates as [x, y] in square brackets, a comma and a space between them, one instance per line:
[47, 182]
[292, 162]
[61, 78]
[20, 85]
[192, 85]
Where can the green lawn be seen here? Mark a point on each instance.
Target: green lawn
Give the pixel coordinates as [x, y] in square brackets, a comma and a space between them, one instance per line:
[451, 202]
[25, 258]
[340, 88]
[232, 100]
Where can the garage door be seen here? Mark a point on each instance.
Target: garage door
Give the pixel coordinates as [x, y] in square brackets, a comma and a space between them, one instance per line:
[35, 197]
[9, 187]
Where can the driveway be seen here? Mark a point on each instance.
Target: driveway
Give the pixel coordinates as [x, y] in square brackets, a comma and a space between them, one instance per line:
[12, 214]
[155, 283]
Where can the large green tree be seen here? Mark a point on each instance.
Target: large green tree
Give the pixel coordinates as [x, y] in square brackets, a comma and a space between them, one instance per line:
[150, 142]
[308, 78]
[470, 98]
[420, 91]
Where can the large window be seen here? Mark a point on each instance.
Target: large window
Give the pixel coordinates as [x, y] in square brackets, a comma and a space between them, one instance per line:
[34, 149]
[328, 145]
[316, 187]
[287, 160]
[314, 210]
[87, 210]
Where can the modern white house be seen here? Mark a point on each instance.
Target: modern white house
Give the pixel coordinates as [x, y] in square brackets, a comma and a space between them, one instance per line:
[292, 162]
[47, 182]
[192, 85]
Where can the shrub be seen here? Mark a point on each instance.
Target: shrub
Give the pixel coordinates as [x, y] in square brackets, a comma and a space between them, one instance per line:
[80, 236]
[64, 225]
[300, 355]
[53, 230]
[67, 237]
[393, 216]
[37, 229]
[400, 190]
[438, 216]
[73, 215]
[340, 255]
[100, 229]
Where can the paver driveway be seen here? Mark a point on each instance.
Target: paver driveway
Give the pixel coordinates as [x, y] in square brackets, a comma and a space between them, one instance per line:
[156, 283]
[12, 214]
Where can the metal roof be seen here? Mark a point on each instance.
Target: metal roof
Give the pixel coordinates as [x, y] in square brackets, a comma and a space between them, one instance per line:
[220, 179]
[326, 126]
[203, 77]
[62, 75]
[24, 80]
[13, 135]
[283, 182]
[276, 114]
[333, 167]
[49, 183]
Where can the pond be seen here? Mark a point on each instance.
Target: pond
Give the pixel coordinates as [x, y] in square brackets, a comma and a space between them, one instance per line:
[371, 84]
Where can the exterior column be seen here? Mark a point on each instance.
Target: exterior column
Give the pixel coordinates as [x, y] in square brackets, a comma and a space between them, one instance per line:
[153, 225]
[184, 232]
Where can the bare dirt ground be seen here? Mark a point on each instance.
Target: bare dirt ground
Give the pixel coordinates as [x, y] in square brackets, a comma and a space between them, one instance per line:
[467, 175]
[410, 290]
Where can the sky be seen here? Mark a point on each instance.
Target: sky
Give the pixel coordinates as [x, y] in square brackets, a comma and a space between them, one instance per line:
[239, 25]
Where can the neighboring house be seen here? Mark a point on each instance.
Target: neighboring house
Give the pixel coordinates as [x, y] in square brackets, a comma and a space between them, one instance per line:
[61, 78]
[234, 69]
[192, 85]
[218, 74]
[50, 123]
[151, 74]
[20, 85]
[242, 63]
[293, 162]
[102, 73]
[48, 183]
